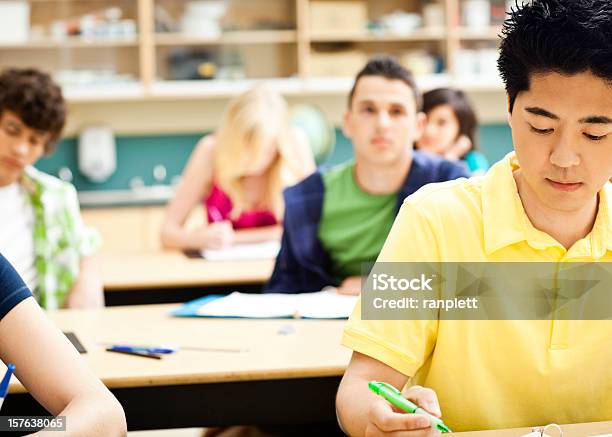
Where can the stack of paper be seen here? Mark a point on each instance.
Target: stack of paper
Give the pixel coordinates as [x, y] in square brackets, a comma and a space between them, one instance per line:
[240, 252]
[319, 305]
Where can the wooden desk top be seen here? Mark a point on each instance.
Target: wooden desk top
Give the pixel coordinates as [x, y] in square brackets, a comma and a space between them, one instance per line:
[174, 269]
[578, 430]
[312, 350]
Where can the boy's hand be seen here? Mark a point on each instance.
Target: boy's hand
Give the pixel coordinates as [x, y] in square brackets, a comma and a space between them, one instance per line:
[350, 286]
[459, 149]
[385, 420]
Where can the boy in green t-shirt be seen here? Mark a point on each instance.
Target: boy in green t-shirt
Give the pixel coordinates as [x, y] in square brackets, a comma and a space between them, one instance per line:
[338, 219]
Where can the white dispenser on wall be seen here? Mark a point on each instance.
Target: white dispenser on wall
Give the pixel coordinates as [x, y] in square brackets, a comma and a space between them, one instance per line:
[14, 21]
[97, 153]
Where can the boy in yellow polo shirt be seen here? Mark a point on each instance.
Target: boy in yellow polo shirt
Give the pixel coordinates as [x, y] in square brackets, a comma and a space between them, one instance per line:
[548, 201]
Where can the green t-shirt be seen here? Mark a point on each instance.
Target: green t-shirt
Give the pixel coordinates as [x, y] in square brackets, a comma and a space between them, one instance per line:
[354, 224]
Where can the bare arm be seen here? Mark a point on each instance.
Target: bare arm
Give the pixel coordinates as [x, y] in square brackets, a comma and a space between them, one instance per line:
[195, 184]
[362, 413]
[88, 290]
[64, 385]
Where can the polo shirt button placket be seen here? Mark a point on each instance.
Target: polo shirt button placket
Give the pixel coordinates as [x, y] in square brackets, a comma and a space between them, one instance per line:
[560, 329]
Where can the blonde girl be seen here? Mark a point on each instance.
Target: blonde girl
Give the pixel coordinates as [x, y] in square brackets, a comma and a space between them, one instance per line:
[238, 174]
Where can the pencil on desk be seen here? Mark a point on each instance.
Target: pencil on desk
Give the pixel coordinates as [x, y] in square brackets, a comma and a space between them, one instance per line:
[177, 348]
[138, 354]
[215, 214]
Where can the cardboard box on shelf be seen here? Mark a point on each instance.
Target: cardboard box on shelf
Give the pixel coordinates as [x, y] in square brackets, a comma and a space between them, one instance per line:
[338, 15]
[420, 62]
[337, 63]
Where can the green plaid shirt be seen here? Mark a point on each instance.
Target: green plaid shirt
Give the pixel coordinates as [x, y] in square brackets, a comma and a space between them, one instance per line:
[60, 237]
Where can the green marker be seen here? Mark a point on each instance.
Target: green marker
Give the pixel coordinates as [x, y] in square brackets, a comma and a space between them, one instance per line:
[394, 396]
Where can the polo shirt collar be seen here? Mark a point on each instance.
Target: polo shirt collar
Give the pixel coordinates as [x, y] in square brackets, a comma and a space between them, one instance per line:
[502, 210]
[505, 221]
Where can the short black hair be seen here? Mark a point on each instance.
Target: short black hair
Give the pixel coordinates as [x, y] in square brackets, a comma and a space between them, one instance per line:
[389, 68]
[35, 99]
[462, 107]
[562, 36]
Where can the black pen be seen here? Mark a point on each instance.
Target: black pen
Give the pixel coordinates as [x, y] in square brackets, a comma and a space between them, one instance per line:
[138, 354]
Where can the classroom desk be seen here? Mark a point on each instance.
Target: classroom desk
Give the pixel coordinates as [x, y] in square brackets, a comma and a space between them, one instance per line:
[577, 430]
[281, 379]
[151, 277]
[173, 269]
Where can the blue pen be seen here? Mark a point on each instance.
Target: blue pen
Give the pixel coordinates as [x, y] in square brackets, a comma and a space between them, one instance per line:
[149, 350]
[4, 385]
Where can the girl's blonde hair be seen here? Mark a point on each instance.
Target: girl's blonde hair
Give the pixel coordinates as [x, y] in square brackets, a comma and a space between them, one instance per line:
[251, 122]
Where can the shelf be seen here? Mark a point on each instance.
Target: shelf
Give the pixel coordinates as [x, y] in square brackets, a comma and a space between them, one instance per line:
[291, 86]
[72, 42]
[234, 37]
[490, 34]
[342, 85]
[104, 92]
[192, 89]
[286, 86]
[367, 36]
[147, 59]
[73, 1]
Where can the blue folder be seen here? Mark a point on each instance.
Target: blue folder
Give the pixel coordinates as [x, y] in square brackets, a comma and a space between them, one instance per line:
[190, 309]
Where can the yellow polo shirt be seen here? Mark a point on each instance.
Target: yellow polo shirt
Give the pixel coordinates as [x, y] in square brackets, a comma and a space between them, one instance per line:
[493, 374]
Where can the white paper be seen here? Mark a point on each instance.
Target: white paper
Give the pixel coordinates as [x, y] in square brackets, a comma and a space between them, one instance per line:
[250, 305]
[319, 305]
[241, 252]
[325, 305]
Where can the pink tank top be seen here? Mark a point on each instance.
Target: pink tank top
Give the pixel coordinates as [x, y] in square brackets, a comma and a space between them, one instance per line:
[218, 206]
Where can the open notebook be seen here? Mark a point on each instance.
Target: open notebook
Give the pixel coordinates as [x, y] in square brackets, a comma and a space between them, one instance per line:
[319, 305]
[238, 252]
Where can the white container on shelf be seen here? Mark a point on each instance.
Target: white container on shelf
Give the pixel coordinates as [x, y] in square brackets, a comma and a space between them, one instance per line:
[477, 14]
[14, 21]
[202, 18]
[401, 23]
[433, 16]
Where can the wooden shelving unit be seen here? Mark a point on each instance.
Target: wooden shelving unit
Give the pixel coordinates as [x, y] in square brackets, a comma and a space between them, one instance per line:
[71, 42]
[143, 56]
[229, 38]
[466, 34]
[106, 93]
[365, 36]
